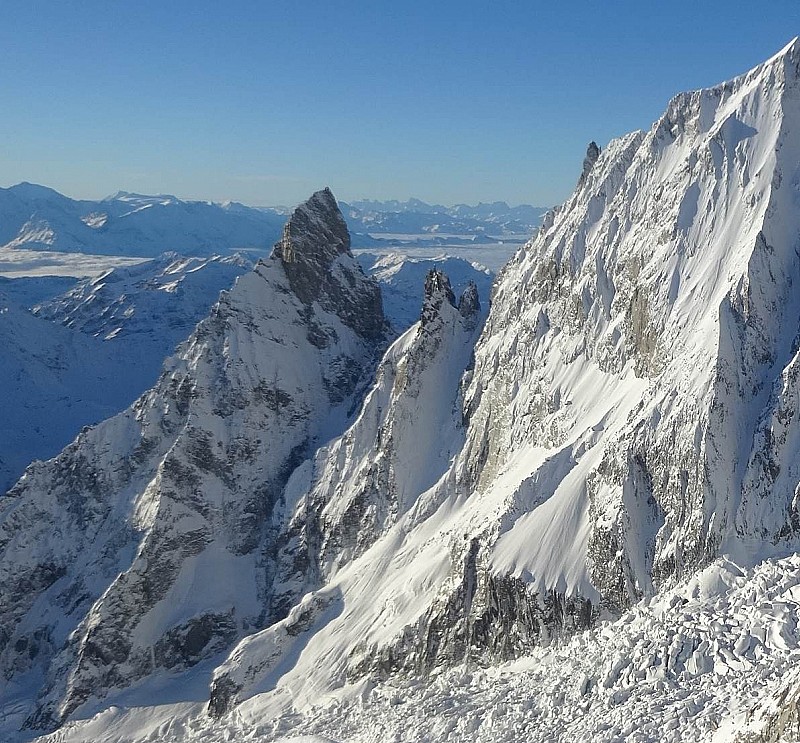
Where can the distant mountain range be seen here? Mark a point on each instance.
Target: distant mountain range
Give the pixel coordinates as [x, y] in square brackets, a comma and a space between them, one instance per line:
[497, 219]
[38, 218]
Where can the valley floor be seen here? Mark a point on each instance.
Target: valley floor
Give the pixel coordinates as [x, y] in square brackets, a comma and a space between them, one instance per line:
[16, 263]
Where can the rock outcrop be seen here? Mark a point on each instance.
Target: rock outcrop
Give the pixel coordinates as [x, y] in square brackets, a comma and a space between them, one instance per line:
[315, 254]
[592, 156]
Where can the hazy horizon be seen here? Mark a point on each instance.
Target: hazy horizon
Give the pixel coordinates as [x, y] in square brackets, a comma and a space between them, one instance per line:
[264, 104]
[355, 200]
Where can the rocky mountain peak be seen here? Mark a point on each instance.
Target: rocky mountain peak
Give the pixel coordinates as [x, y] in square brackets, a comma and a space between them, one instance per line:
[202, 459]
[437, 292]
[315, 231]
[315, 254]
[469, 305]
[592, 153]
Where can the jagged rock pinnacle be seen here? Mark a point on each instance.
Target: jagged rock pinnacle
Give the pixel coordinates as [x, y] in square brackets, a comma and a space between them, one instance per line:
[315, 254]
[469, 304]
[592, 153]
[316, 231]
[437, 291]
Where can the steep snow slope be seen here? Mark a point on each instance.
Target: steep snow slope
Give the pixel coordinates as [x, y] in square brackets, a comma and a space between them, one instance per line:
[54, 381]
[36, 217]
[148, 543]
[360, 488]
[667, 282]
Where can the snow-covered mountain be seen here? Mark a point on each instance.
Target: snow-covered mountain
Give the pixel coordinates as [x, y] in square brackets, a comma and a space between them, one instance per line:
[119, 328]
[146, 545]
[134, 318]
[39, 218]
[151, 306]
[629, 414]
[581, 525]
[54, 382]
[630, 418]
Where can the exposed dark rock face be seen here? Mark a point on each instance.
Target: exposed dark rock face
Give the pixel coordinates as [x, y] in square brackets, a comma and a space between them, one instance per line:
[592, 155]
[314, 239]
[469, 304]
[437, 291]
[186, 644]
[222, 696]
[482, 618]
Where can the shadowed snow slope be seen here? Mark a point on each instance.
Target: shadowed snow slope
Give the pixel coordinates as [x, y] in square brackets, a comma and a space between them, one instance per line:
[54, 380]
[621, 444]
[145, 311]
[122, 325]
[167, 296]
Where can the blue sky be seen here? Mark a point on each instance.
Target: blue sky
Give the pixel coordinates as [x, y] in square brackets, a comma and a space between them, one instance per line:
[263, 102]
